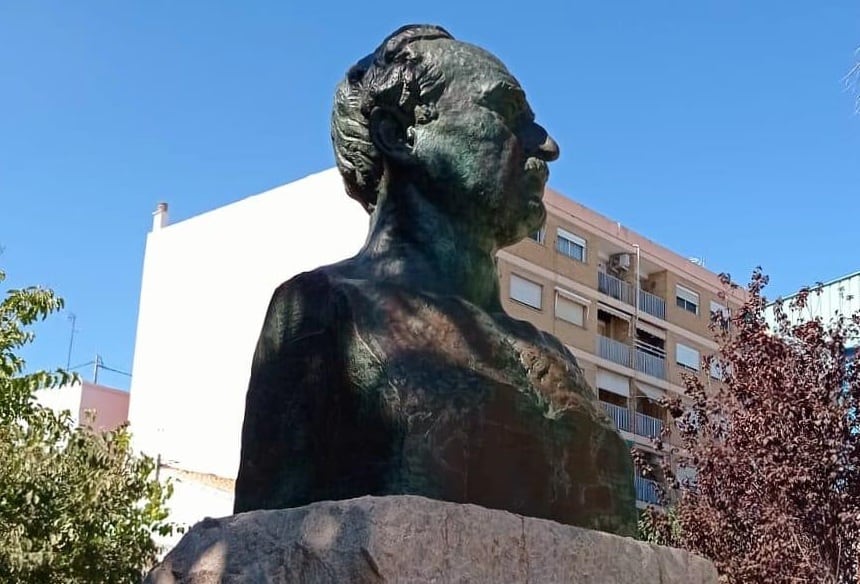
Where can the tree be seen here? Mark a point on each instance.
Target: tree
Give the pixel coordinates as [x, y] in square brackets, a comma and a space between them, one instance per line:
[776, 448]
[75, 504]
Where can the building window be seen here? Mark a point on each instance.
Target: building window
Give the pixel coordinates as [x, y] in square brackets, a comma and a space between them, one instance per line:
[716, 370]
[686, 299]
[570, 245]
[687, 477]
[526, 291]
[539, 235]
[614, 383]
[687, 357]
[721, 312]
[569, 309]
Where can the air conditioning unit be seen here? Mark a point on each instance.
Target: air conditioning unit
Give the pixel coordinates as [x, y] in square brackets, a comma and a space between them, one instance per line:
[621, 261]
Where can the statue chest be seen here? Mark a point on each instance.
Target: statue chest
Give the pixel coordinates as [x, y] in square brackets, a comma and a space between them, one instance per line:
[432, 347]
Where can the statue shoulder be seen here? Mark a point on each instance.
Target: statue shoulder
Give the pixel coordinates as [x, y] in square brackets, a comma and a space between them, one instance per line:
[307, 304]
[527, 331]
[305, 286]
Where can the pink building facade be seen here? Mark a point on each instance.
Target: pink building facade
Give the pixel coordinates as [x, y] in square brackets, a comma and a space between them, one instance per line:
[108, 406]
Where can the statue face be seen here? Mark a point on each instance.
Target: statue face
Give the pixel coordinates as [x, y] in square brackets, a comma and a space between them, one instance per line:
[484, 156]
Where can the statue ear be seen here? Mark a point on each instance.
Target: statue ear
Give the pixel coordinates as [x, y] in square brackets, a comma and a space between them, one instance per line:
[391, 135]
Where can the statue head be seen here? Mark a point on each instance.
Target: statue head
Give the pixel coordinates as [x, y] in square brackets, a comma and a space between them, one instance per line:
[447, 118]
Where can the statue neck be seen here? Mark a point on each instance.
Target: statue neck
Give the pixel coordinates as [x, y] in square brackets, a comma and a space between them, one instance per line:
[414, 243]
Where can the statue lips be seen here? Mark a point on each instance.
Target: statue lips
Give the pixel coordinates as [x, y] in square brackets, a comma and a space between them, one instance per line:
[536, 166]
[537, 170]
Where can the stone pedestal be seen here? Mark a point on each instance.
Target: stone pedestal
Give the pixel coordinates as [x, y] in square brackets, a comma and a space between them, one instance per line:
[413, 540]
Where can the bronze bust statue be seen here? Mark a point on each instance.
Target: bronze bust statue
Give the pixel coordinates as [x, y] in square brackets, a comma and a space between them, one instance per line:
[397, 371]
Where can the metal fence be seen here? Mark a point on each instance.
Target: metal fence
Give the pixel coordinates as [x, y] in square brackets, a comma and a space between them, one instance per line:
[645, 425]
[650, 364]
[612, 286]
[614, 351]
[625, 292]
[652, 304]
[646, 490]
[620, 415]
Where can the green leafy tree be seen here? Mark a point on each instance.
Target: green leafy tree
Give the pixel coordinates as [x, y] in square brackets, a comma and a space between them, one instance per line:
[76, 505]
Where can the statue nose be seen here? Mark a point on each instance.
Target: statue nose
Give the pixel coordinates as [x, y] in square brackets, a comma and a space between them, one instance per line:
[549, 149]
[540, 144]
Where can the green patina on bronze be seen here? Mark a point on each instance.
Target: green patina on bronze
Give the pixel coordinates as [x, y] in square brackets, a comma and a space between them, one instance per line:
[397, 371]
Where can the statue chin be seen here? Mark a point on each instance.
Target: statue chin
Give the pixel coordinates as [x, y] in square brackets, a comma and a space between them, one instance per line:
[535, 217]
[530, 216]
[540, 211]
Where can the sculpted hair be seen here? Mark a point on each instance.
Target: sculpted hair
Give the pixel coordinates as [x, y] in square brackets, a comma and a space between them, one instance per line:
[396, 76]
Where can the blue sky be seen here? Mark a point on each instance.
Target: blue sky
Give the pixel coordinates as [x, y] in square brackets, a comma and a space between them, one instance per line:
[720, 129]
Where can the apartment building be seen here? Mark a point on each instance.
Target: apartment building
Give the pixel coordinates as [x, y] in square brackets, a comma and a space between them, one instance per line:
[634, 314]
[826, 301]
[207, 281]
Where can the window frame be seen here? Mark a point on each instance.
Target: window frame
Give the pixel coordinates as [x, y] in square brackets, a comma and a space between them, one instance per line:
[724, 310]
[716, 370]
[720, 308]
[541, 236]
[574, 240]
[685, 296]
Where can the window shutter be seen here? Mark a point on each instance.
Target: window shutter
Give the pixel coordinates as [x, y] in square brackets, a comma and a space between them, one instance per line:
[613, 383]
[687, 356]
[569, 310]
[571, 237]
[687, 294]
[526, 291]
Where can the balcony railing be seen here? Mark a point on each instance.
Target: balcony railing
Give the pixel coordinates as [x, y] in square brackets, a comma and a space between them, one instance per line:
[652, 304]
[645, 425]
[612, 286]
[613, 350]
[620, 415]
[641, 359]
[650, 364]
[621, 290]
[646, 490]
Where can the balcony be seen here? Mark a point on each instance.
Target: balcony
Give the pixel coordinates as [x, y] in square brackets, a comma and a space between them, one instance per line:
[620, 415]
[650, 363]
[614, 351]
[646, 425]
[612, 286]
[643, 358]
[646, 490]
[651, 304]
[621, 290]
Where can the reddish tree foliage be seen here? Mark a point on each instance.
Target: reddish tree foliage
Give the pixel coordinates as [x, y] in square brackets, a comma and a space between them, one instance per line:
[776, 447]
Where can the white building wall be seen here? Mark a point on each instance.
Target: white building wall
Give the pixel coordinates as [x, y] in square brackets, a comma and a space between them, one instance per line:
[193, 500]
[840, 296]
[206, 285]
[66, 397]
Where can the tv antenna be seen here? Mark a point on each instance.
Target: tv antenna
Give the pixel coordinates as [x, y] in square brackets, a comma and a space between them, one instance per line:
[73, 319]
